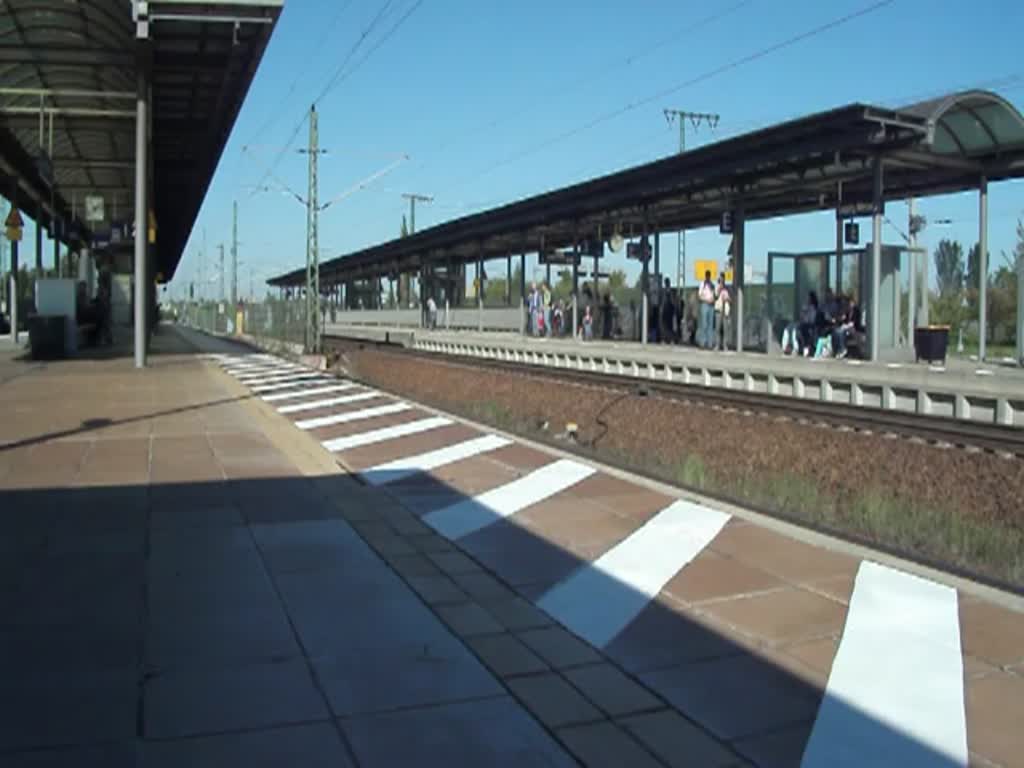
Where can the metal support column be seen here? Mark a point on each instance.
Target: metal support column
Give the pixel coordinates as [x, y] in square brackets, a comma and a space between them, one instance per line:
[575, 285]
[875, 271]
[912, 274]
[839, 251]
[54, 228]
[234, 255]
[739, 236]
[39, 242]
[644, 280]
[312, 335]
[1020, 306]
[508, 280]
[982, 265]
[12, 291]
[141, 223]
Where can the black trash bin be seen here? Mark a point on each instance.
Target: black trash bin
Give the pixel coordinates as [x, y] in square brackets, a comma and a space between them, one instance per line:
[46, 336]
[931, 343]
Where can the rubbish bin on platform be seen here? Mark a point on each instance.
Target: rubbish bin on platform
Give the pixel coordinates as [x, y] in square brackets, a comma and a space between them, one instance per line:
[931, 343]
[46, 336]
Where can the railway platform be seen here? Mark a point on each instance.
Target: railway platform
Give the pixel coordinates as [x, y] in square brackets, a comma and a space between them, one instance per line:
[230, 558]
[986, 392]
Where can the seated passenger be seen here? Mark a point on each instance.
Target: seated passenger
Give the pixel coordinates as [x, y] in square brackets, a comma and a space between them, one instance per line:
[842, 328]
[800, 337]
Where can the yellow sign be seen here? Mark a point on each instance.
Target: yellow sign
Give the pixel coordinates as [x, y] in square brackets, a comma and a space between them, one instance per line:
[14, 220]
[702, 266]
[14, 234]
[152, 227]
[709, 265]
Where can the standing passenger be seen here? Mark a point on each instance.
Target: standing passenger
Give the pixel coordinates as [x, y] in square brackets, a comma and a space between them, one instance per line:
[546, 305]
[723, 312]
[432, 313]
[668, 314]
[706, 295]
[532, 308]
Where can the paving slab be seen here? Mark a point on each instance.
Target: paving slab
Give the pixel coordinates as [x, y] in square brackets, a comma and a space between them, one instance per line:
[736, 696]
[677, 741]
[317, 745]
[614, 692]
[493, 733]
[211, 700]
[553, 700]
[606, 745]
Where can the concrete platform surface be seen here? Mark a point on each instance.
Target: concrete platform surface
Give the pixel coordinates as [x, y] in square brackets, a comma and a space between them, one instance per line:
[264, 565]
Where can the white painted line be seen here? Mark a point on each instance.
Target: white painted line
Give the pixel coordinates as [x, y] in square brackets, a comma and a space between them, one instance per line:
[278, 378]
[424, 462]
[291, 384]
[601, 598]
[256, 376]
[345, 418]
[249, 368]
[895, 695]
[385, 433]
[256, 372]
[309, 392]
[470, 515]
[327, 402]
[247, 365]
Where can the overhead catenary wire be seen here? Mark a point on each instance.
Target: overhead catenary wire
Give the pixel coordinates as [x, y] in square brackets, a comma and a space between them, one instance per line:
[353, 49]
[664, 92]
[279, 107]
[590, 76]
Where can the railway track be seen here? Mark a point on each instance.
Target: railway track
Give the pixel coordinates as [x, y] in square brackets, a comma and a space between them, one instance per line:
[936, 430]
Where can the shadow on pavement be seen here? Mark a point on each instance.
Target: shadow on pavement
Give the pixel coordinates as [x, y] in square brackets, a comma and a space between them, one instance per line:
[245, 621]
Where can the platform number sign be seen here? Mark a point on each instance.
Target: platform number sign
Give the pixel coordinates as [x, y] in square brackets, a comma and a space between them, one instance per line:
[725, 223]
[851, 233]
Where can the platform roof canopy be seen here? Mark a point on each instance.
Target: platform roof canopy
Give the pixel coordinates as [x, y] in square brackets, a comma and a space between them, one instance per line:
[820, 162]
[68, 83]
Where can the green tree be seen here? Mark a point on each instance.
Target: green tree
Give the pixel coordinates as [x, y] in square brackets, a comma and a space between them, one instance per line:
[405, 227]
[949, 267]
[562, 288]
[494, 291]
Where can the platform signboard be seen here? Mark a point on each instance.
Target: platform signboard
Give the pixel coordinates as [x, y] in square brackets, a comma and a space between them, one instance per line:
[640, 251]
[561, 258]
[13, 224]
[592, 247]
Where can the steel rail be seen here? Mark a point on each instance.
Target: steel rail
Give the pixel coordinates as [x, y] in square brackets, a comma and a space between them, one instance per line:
[939, 430]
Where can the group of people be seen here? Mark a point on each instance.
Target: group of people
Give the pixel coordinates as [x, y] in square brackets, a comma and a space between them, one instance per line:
[715, 323]
[553, 318]
[705, 321]
[824, 330]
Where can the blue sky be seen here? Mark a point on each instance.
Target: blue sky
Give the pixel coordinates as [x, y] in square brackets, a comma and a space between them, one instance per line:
[477, 93]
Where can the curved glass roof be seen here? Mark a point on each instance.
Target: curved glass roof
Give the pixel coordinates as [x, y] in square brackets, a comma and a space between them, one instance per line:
[971, 124]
